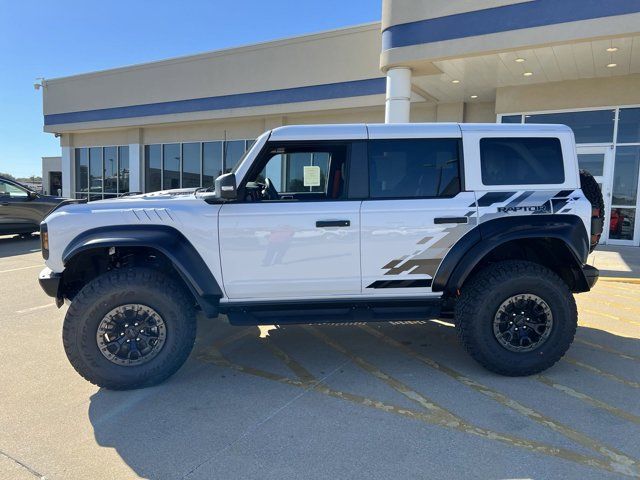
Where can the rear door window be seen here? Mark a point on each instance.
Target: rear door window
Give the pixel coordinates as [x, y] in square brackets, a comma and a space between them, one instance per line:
[414, 168]
[521, 161]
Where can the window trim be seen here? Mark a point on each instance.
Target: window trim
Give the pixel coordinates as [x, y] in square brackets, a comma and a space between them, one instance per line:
[461, 184]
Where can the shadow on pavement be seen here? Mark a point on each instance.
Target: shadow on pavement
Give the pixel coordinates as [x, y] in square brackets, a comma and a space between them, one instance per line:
[18, 245]
[208, 418]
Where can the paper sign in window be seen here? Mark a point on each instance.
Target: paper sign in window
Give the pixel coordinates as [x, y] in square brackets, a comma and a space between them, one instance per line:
[311, 176]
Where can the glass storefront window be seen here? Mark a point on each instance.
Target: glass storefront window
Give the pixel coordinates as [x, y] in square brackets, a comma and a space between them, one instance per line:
[153, 168]
[625, 176]
[101, 172]
[592, 163]
[110, 171]
[170, 166]
[621, 223]
[211, 162]
[95, 173]
[123, 169]
[511, 119]
[82, 172]
[629, 125]
[190, 165]
[594, 126]
[233, 152]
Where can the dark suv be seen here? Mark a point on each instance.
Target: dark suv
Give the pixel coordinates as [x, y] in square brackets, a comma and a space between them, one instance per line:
[22, 209]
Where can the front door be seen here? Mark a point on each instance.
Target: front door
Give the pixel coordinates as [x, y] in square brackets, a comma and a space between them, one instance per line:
[599, 162]
[296, 233]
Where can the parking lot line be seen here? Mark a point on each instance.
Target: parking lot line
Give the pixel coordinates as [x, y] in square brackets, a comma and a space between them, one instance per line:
[613, 317]
[299, 371]
[594, 402]
[502, 399]
[33, 309]
[20, 268]
[434, 415]
[602, 373]
[441, 416]
[597, 346]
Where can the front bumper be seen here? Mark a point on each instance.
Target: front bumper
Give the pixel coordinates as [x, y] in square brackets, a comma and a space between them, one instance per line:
[50, 283]
[591, 274]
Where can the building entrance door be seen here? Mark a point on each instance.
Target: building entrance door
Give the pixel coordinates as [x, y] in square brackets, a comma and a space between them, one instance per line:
[599, 162]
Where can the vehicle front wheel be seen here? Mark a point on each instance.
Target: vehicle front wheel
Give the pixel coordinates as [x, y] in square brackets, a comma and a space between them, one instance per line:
[516, 318]
[129, 329]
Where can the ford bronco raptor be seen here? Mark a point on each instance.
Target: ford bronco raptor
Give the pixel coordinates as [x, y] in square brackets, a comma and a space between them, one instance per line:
[490, 225]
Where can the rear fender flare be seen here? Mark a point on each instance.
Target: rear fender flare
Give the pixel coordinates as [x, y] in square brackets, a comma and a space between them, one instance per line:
[473, 247]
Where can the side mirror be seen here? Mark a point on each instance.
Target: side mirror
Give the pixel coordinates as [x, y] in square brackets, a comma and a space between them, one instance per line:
[32, 195]
[226, 187]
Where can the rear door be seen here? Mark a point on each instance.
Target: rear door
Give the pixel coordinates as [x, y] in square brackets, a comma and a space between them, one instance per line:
[305, 242]
[416, 209]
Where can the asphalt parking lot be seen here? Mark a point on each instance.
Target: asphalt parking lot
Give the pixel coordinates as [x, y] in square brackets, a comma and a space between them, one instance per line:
[335, 401]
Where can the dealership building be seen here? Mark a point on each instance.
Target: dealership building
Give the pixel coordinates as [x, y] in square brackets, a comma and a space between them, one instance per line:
[181, 122]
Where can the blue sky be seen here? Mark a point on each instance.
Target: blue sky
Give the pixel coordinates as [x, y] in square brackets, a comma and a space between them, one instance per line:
[65, 37]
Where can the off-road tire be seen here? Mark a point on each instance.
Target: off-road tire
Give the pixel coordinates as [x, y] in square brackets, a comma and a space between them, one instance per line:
[143, 286]
[591, 190]
[479, 302]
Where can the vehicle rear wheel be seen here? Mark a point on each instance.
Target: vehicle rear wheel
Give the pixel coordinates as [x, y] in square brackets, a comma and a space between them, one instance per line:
[516, 318]
[129, 329]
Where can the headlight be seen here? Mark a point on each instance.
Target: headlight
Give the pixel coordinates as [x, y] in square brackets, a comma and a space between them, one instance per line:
[44, 240]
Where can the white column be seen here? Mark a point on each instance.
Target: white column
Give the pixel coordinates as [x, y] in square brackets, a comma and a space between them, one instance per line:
[135, 168]
[398, 100]
[67, 172]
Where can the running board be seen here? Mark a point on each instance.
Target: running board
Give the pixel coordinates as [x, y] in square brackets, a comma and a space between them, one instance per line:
[333, 311]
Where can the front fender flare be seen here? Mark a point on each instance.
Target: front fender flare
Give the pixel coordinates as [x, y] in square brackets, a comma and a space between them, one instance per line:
[168, 241]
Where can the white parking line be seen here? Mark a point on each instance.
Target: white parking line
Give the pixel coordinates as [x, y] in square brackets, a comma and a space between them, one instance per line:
[33, 309]
[21, 268]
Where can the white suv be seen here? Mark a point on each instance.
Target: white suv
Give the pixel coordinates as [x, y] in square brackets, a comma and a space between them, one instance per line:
[488, 224]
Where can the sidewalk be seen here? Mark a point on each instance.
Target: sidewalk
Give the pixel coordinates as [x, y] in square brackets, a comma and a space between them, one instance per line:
[617, 262]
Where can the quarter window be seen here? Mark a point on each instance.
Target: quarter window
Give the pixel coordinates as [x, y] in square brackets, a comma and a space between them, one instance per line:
[421, 168]
[521, 161]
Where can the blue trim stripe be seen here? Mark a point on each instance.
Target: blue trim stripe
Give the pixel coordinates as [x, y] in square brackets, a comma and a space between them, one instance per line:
[357, 88]
[536, 13]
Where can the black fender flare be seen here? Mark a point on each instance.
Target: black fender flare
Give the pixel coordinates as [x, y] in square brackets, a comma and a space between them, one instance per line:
[465, 255]
[168, 241]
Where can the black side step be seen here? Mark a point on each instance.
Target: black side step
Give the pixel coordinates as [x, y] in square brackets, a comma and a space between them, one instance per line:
[334, 311]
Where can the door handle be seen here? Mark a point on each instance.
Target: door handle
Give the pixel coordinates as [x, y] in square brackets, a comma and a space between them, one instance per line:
[441, 220]
[333, 223]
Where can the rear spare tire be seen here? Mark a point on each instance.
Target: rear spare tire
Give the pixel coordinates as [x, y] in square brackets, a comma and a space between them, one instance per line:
[592, 191]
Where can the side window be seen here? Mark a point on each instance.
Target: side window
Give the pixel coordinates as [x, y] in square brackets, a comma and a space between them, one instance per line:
[521, 161]
[303, 172]
[414, 168]
[10, 190]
